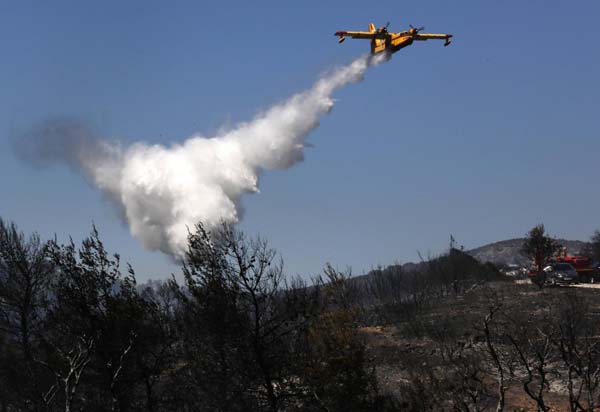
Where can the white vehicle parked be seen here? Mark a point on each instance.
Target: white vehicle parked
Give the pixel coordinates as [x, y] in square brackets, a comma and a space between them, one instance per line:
[515, 271]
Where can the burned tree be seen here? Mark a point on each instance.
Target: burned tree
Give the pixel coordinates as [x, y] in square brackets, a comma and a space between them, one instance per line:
[90, 327]
[539, 248]
[247, 319]
[25, 274]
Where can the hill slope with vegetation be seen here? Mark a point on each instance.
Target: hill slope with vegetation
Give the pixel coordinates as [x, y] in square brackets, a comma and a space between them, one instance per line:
[450, 334]
[509, 251]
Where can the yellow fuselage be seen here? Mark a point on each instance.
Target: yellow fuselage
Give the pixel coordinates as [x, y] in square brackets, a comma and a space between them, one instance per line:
[391, 44]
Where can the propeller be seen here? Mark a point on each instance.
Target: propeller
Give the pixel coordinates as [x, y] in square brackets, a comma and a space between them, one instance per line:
[383, 29]
[417, 30]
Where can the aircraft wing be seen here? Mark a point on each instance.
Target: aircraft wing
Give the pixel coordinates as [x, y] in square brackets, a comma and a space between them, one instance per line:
[432, 36]
[360, 34]
[427, 36]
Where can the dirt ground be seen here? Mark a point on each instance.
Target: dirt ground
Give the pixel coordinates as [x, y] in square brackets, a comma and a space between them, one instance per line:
[576, 285]
[397, 353]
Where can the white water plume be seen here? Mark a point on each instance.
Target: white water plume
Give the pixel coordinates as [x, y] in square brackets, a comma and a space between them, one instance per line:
[164, 190]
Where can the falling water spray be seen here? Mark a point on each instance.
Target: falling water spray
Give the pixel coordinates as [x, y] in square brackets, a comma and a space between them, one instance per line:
[161, 191]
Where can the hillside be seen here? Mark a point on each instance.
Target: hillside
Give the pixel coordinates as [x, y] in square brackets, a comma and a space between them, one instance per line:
[508, 251]
[449, 336]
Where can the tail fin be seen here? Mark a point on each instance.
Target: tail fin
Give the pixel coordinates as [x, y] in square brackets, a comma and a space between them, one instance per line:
[374, 42]
[372, 29]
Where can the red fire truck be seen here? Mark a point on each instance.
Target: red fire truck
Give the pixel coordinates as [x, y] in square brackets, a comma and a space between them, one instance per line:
[583, 265]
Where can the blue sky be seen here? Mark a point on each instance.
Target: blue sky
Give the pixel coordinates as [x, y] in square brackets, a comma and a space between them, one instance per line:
[482, 139]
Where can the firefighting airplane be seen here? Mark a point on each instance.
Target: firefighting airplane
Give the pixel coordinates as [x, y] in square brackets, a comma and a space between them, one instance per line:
[382, 40]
